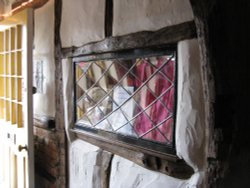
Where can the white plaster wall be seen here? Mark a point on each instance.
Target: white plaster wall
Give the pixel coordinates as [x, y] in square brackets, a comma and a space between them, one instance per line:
[126, 174]
[82, 22]
[44, 104]
[138, 15]
[190, 123]
[82, 160]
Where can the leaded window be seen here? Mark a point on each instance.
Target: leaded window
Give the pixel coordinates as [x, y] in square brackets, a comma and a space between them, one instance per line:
[128, 96]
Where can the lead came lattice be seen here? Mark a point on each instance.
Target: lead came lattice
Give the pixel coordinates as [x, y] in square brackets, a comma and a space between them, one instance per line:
[132, 97]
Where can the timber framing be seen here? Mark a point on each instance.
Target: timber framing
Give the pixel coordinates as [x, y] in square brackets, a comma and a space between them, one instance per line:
[168, 164]
[167, 35]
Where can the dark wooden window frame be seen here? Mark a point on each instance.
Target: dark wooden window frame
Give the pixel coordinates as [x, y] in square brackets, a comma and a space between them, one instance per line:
[167, 163]
[139, 143]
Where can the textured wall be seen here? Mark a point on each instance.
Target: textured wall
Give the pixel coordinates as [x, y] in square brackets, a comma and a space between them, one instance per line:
[82, 22]
[136, 15]
[44, 103]
[82, 161]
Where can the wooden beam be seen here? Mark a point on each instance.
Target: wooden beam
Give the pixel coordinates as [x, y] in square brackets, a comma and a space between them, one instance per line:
[27, 3]
[167, 35]
[166, 164]
[109, 18]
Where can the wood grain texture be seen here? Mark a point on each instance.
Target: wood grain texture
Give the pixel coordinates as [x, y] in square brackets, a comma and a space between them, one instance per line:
[166, 164]
[167, 35]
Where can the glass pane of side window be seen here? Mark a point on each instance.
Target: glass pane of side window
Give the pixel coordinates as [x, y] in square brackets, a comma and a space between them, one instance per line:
[132, 97]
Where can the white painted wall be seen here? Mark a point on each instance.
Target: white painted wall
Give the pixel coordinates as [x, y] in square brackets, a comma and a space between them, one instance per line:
[137, 15]
[82, 157]
[44, 104]
[82, 22]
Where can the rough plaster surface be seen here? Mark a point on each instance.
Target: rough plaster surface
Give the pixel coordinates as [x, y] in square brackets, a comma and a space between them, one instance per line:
[125, 173]
[44, 103]
[137, 15]
[82, 160]
[82, 22]
[190, 125]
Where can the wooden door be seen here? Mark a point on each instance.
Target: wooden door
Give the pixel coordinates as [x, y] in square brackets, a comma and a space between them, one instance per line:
[16, 127]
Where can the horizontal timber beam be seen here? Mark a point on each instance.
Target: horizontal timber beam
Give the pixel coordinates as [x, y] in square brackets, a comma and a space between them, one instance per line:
[164, 36]
[169, 165]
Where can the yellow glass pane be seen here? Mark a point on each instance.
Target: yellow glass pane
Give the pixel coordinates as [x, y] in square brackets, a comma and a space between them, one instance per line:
[7, 88]
[1, 86]
[13, 89]
[1, 42]
[19, 115]
[6, 40]
[7, 68]
[7, 110]
[12, 38]
[19, 63]
[1, 64]
[1, 109]
[12, 63]
[19, 89]
[19, 37]
[13, 112]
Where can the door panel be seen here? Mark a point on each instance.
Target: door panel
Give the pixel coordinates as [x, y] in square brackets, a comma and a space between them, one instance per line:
[16, 126]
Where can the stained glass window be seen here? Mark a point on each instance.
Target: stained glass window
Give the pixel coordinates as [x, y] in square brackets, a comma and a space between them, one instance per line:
[129, 96]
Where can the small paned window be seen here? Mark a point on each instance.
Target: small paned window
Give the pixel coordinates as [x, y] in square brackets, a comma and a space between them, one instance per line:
[128, 97]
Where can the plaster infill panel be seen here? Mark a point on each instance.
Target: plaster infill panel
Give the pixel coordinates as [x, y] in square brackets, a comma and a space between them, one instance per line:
[82, 22]
[190, 122]
[125, 173]
[82, 161]
[44, 103]
[139, 15]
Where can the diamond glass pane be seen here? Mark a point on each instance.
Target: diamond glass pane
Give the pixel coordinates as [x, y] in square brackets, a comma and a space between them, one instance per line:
[132, 97]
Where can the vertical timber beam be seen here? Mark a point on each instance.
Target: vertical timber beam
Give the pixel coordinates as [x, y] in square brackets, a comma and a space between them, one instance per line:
[59, 114]
[108, 18]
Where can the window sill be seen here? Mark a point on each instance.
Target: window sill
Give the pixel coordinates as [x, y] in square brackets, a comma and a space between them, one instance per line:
[165, 163]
